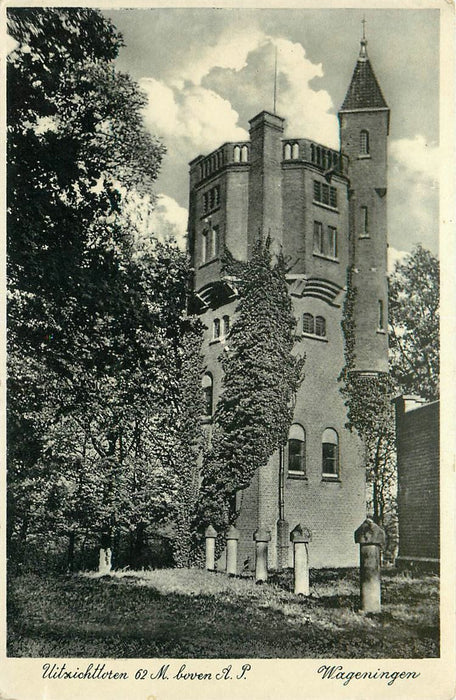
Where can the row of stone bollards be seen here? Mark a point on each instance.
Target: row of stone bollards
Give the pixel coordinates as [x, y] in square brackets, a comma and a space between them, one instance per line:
[369, 536]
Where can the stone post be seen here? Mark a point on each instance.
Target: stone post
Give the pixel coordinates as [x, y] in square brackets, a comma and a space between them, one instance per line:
[370, 538]
[104, 564]
[232, 537]
[300, 537]
[261, 536]
[210, 536]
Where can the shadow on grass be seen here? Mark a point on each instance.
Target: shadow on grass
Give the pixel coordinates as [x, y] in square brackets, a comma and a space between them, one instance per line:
[130, 618]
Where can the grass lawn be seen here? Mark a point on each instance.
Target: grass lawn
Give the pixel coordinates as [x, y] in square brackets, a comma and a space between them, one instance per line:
[188, 613]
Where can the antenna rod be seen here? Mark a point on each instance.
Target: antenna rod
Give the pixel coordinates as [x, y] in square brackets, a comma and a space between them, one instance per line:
[275, 81]
[363, 22]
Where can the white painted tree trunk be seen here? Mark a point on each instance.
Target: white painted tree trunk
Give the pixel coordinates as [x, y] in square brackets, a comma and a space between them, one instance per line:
[104, 566]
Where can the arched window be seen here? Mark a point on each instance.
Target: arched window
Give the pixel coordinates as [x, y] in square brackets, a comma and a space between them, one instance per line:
[297, 449]
[320, 326]
[287, 151]
[330, 453]
[308, 323]
[216, 328]
[208, 391]
[244, 154]
[236, 154]
[226, 325]
[364, 142]
[295, 151]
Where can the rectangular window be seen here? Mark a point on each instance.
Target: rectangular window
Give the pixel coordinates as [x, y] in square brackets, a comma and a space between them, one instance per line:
[324, 194]
[332, 242]
[318, 237]
[205, 203]
[214, 241]
[329, 459]
[204, 246]
[364, 221]
[381, 319]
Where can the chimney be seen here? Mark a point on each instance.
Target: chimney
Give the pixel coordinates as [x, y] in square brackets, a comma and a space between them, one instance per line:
[265, 179]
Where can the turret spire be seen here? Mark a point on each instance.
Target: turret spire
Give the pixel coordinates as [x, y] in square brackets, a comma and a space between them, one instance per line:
[364, 91]
[363, 49]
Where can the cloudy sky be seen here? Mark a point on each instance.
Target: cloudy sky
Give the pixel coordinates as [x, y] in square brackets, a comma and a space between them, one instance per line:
[208, 71]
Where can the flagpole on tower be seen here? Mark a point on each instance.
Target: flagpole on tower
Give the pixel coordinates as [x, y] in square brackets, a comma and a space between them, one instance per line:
[275, 81]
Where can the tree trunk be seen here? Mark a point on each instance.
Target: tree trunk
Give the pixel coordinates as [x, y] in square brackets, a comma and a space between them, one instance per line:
[71, 543]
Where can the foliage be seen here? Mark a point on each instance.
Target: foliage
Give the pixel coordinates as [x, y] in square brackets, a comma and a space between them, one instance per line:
[368, 398]
[95, 303]
[260, 377]
[414, 324]
[189, 442]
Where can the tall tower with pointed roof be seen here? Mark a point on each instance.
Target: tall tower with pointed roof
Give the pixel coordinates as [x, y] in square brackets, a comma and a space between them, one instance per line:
[326, 210]
[364, 126]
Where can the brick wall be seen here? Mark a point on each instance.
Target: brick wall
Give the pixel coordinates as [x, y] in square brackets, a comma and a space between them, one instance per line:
[417, 428]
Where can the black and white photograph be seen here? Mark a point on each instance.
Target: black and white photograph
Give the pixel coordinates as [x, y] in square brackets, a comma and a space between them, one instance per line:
[227, 231]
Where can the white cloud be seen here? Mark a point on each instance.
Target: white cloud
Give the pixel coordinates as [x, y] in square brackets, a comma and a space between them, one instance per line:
[230, 51]
[417, 156]
[413, 193]
[190, 120]
[169, 220]
[306, 110]
[395, 256]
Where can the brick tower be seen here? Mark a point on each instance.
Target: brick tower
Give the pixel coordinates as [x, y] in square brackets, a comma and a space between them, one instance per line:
[364, 126]
[326, 209]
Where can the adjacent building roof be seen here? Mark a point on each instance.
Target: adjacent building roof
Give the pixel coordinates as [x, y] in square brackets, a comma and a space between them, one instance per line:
[364, 91]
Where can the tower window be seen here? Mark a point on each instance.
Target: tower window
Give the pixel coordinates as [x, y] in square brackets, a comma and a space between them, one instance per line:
[216, 329]
[325, 194]
[332, 241]
[208, 392]
[381, 319]
[214, 241]
[211, 199]
[297, 449]
[320, 326]
[364, 221]
[330, 453]
[226, 325]
[308, 324]
[236, 154]
[364, 143]
[204, 246]
[287, 152]
[295, 151]
[318, 238]
[244, 154]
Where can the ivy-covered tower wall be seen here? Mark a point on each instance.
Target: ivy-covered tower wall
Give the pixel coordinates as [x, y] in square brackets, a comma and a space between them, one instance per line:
[302, 194]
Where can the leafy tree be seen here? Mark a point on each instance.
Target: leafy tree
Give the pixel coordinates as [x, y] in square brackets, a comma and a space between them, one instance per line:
[414, 324]
[95, 303]
[260, 376]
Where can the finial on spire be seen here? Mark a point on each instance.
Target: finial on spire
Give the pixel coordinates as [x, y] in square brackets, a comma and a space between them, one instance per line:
[363, 49]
